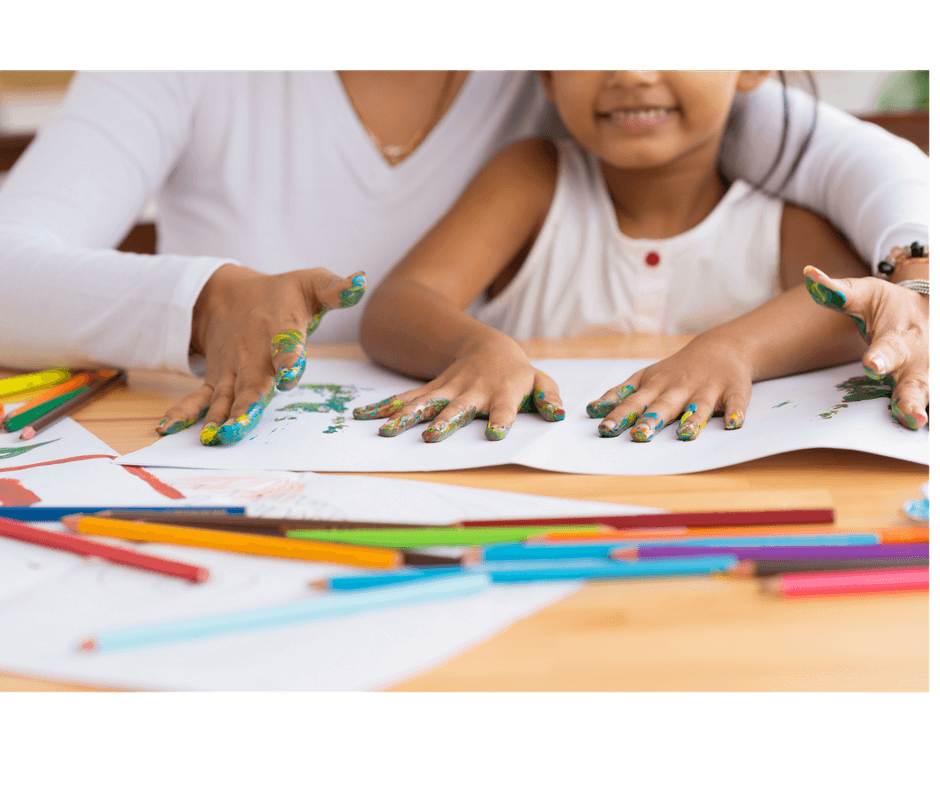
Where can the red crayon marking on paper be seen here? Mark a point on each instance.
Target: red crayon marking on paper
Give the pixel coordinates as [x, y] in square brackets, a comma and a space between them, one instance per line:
[13, 493]
[59, 462]
[160, 486]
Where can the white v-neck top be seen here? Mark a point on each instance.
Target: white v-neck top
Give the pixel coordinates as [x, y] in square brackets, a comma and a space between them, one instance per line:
[583, 273]
[274, 171]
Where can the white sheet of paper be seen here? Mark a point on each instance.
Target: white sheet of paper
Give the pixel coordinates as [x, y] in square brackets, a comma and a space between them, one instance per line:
[66, 598]
[311, 428]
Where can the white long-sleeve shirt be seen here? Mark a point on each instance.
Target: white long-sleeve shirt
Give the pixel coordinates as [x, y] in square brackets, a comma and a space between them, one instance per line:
[274, 171]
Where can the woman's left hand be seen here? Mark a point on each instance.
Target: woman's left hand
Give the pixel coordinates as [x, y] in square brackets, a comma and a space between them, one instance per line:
[709, 376]
[895, 322]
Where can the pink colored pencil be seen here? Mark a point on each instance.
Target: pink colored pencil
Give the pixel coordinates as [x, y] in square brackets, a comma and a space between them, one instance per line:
[13, 529]
[859, 581]
[678, 519]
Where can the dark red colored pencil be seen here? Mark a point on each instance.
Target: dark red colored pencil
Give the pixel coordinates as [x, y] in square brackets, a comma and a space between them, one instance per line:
[678, 519]
[87, 547]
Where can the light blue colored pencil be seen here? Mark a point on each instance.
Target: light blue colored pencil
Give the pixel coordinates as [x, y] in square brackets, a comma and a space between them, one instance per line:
[528, 551]
[327, 606]
[530, 571]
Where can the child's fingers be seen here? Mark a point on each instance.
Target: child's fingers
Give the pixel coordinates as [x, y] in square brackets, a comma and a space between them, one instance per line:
[695, 416]
[624, 415]
[289, 355]
[247, 407]
[187, 411]
[411, 413]
[610, 399]
[503, 412]
[734, 407]
[457, 414]
[380, 410]
[547, 398]
[223, 395]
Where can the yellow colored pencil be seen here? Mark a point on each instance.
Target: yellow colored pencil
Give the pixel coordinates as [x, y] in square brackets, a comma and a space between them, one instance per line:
[32, 381]
[253, 544]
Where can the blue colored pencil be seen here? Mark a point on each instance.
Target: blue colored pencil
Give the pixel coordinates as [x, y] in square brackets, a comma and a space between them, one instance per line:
[530, 571]
[522, 552]
[327, 606]
[49, 514]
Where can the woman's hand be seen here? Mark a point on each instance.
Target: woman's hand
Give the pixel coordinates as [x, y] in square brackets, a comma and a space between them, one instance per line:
[895, 323]
[251, 328]
[496, 379]
[709, 376]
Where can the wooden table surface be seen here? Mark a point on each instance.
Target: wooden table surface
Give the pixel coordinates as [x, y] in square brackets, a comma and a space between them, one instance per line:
[683, 634]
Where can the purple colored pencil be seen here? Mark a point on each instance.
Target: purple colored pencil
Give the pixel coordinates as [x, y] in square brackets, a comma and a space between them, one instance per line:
[799, 553]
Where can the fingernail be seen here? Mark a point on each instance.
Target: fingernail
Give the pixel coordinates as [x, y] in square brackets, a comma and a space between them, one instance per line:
[611, 429]
[437, 432]
[353, 294]
[496, 432]
[600, 408]
[689, 432]
[208, 434]
[875, 368]
[549, 411]
[824, 296]
[734, 421]
[647, 428]
[397, 425]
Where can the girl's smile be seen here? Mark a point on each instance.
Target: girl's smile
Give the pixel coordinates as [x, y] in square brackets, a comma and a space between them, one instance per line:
[639, 118]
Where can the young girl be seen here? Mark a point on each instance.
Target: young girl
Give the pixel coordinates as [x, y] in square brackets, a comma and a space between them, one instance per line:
[631, 225]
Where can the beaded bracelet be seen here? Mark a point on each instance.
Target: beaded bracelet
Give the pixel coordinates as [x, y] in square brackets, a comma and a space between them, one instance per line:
[921, 286]
[899, 256]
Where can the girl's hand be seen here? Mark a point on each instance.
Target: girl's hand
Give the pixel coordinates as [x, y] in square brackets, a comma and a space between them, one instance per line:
[895, 323]
[252, 329]
[496, 379]
[709, 376]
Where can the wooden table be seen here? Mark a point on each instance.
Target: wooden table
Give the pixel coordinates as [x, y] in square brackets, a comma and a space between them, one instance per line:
[685, 635]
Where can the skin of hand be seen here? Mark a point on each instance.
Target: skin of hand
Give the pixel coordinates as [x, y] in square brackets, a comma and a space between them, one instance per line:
[895, 322]
[251, 328]
[491, 376]
[714, 372]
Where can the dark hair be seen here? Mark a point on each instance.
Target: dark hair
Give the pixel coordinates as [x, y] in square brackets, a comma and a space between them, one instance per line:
[761, 186]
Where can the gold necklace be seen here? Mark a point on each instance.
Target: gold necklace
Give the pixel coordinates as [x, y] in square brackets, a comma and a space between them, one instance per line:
[395, 154]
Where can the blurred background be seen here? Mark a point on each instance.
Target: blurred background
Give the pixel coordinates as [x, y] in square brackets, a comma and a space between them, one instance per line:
[895, 100]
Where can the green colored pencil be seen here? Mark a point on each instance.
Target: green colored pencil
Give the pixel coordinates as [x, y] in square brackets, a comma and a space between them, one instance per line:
[433, 536]
[29, 416]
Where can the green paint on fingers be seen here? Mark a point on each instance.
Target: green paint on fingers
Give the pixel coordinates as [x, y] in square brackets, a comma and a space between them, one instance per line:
[288, 343]
[437, 432]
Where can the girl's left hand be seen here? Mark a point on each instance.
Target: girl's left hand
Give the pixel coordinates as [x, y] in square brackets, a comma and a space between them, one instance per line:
[709, 376]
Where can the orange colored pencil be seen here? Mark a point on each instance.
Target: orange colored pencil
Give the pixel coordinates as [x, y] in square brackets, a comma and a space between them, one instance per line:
[859, 581]
[81, 379]
[276, 546]
[904, 534]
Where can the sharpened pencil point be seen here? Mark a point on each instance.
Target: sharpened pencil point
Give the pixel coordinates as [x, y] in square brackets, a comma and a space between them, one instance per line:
[28, 433]
[625, 554]
[202, 575]
[741, 569]
[89, 645]
[70, 521]
[320, 585]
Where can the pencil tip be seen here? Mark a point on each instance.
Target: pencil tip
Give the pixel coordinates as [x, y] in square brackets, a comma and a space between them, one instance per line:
[70, 521]
[320, 585]
[28, 433]
[202, 574]
[89, 645]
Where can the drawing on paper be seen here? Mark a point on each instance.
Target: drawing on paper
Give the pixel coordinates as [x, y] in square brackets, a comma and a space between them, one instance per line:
[13, 493]
[15, 451]
[860, 388]
[158, 485]
[336, 399]
[239, 489]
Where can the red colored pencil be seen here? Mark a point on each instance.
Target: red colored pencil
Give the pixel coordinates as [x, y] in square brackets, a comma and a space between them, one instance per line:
[14, 529]
[863, 581]
[678, 519]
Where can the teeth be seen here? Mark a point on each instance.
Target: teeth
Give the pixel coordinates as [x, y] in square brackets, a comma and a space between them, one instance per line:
[638, 114]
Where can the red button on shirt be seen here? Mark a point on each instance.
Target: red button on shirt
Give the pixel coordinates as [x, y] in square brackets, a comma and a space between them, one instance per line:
[652, 259]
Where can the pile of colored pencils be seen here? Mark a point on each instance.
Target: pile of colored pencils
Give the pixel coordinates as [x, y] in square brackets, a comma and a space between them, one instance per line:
[53, 395]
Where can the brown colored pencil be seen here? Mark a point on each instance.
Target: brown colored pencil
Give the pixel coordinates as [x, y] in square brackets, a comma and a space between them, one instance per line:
[771, 567]
[102, 382]
[241, 523]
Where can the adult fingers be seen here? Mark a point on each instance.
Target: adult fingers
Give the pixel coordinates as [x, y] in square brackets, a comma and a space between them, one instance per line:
[547, 398]
[289, 356]
[187, 411]
[325, 291]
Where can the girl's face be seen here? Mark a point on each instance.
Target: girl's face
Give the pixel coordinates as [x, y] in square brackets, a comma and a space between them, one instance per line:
[646, 119]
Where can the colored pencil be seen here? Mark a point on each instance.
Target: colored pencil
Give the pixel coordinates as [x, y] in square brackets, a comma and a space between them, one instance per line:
[790, 553]
[767, 568]
[320, 607]
[516, 552]
[76, 381]
[236, 543]
[533, 571]
[24, 419]
[679, 519]
[885, 535]
[32, 381]
[104, 381]
[52, 513]
[87, 547]
[261, 524]
[850, 582]
[420, 537]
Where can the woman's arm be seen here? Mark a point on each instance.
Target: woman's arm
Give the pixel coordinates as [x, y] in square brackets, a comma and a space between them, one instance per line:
[872, 185]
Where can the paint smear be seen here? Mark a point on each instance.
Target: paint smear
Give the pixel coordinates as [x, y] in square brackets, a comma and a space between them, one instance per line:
[15, 451]
[336, 400]
[13, 493]
[158, 484]
[861, 388]
[59, 462]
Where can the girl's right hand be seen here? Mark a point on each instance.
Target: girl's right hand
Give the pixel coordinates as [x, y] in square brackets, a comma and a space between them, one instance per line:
[497, 379]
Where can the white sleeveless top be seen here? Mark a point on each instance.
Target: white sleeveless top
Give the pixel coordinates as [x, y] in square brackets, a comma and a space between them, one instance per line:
[584, 274]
